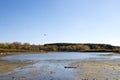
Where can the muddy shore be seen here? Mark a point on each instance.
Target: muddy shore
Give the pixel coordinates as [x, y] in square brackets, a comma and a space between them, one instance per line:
[97, 70]
[6, 66]
[86, 70]
[57, 67]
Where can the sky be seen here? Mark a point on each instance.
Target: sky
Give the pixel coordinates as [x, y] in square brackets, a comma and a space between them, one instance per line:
[56, 21]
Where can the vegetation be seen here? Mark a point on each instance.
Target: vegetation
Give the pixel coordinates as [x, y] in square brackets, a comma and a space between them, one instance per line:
[66, 47]
[84, 47]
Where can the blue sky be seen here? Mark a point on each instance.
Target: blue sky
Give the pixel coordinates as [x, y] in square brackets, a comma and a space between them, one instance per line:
[72, 21]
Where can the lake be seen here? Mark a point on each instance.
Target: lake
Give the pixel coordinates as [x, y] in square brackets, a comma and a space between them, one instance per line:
[51, 66]
[63, 56]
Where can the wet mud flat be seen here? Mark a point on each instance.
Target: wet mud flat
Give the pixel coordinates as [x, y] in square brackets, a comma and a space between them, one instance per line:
[60, 70]
[7, 68]
[39, 70]
[97, 70]
[60, 66]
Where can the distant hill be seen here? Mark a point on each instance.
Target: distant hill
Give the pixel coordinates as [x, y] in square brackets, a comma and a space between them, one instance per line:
[90, 45]
[83, 47]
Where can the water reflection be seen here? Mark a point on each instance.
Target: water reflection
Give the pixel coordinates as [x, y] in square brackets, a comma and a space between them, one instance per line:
[62, 56]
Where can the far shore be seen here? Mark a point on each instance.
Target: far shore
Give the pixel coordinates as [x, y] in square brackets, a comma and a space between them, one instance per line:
[20, 52]
[17, 48]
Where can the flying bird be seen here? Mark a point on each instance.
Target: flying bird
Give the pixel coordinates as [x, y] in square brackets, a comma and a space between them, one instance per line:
[44, 34]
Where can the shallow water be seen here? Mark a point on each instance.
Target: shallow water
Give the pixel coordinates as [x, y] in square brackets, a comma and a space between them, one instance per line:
[63, 56]
[50, 66]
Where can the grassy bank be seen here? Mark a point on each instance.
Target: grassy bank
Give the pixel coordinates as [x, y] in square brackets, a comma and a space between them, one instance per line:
[5, 52]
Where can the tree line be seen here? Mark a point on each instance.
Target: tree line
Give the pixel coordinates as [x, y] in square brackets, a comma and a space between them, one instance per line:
[17, 46]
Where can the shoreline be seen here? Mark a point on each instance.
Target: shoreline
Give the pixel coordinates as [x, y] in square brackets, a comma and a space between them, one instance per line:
[6, 66]
[15, 53]
[97, 70]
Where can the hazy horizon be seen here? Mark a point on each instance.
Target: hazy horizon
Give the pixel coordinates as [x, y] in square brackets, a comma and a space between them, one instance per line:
[60, 21]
